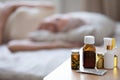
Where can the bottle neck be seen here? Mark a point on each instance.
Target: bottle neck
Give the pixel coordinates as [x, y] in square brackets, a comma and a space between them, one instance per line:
[89, 44]
[108, 47]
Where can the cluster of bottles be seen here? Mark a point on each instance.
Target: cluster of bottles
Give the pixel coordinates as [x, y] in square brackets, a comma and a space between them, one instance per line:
[107, 60]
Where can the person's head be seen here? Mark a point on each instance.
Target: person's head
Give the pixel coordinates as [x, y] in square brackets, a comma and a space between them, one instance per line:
[54, 23]
[60, 23]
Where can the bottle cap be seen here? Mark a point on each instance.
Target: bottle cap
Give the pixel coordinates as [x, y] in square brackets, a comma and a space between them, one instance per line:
[89, 39]
[108, 41]
[75, 50]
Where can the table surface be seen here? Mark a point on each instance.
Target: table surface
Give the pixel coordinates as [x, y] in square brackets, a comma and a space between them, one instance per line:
[64, 72]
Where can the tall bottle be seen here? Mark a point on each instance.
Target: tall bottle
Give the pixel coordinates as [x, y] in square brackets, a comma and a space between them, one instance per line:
[89, 52]
[109, 55]
[115, 53]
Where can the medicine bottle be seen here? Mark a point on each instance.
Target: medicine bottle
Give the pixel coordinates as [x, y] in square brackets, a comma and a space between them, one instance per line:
[89, 52]
[109, 54]
[100, 61]
[75, 60]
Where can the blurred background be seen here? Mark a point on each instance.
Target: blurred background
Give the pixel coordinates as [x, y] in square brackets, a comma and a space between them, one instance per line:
[108, 7]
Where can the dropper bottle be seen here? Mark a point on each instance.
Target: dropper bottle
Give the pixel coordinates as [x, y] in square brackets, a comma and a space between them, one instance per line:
[109, 55]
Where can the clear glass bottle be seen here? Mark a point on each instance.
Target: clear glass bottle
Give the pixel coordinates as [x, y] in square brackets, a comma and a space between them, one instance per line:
[89, 52]
[75, 60]
[115, 61]
[115, 53]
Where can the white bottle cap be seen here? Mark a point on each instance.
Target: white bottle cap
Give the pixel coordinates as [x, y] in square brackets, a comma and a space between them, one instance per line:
[75, 50]
[107, 41]
[89, 39]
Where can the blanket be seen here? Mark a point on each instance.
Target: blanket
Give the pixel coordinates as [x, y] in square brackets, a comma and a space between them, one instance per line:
[72, 27]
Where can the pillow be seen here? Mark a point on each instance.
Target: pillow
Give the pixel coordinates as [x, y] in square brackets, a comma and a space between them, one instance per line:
[97, 25]
[24, 20]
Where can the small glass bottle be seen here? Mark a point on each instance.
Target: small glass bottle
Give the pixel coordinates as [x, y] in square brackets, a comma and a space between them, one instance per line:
[75, 60]
[114, 50]
[89, 52]
[100, 61]
[115, 61]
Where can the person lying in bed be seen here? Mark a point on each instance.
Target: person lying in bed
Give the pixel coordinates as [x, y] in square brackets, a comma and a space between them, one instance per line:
[55, 25]
[65, 31]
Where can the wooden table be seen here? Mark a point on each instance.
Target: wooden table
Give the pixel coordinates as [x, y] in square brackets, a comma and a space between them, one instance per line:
[64, 72]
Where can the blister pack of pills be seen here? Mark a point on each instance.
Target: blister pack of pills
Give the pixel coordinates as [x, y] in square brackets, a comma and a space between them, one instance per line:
[99, 72]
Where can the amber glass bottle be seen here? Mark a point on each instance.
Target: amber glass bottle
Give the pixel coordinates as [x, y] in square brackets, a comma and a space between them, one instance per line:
[75, 60]
[89, 52]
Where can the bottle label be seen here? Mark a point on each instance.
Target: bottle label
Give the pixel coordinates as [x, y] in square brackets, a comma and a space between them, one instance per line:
[89, 59]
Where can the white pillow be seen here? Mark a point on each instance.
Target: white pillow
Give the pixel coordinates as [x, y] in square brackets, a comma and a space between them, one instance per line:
[24, 20]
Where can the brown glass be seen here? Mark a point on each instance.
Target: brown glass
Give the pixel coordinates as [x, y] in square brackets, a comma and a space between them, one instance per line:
[89, 56]
[75, 61]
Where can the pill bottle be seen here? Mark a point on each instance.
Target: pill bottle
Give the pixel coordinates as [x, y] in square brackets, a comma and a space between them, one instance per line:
[75, 59]
[89, 52]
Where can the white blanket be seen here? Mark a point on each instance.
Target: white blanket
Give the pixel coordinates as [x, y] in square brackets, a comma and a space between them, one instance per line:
[97, 25]
[30, 65]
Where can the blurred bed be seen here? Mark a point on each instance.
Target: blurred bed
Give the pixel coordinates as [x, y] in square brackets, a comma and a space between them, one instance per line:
[30, 65]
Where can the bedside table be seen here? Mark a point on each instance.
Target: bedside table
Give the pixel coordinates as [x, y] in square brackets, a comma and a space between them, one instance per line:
[64, 72]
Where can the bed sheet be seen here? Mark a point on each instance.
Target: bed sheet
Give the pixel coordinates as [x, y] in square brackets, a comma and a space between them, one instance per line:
[30, 65]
